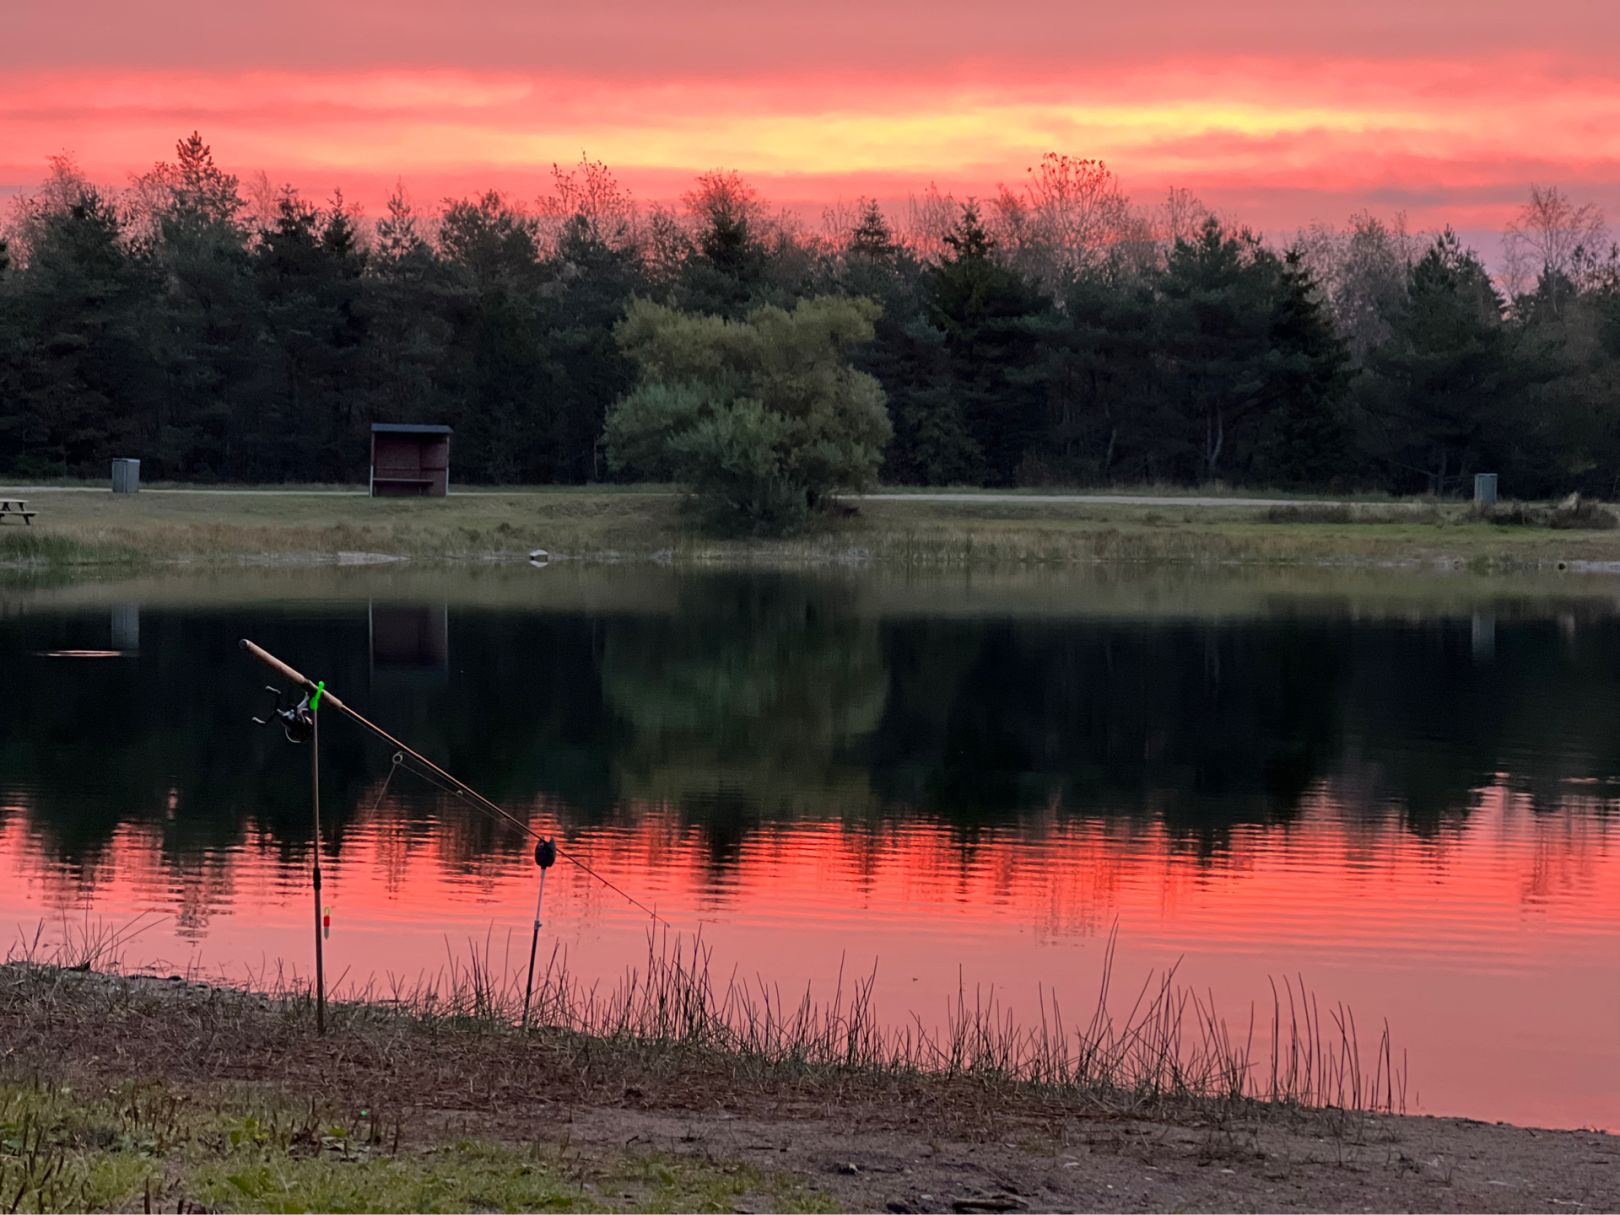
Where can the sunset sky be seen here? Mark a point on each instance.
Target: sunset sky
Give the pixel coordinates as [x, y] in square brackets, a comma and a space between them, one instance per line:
[1276, 113]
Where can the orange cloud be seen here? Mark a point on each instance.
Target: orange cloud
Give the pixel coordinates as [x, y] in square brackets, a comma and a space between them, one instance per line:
[1296, 138]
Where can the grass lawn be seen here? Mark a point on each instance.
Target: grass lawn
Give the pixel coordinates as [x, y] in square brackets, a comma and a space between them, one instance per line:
[639, 523]
[156, 1145]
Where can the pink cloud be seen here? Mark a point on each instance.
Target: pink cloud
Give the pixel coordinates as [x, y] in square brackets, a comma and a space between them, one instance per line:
[1270, 110]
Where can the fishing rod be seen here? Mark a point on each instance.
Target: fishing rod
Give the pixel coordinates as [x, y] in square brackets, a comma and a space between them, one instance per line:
[299, 723]
[324, 696]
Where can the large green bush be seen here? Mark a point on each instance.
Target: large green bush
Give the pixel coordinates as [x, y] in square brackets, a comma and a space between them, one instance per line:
[764, 419]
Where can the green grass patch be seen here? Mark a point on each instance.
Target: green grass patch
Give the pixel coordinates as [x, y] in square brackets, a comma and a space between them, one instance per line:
[35, 546]
[156, 1147]
[646, 524]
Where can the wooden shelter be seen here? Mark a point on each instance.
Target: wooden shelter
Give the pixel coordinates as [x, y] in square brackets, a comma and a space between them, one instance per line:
[409, 460]
[409, 642]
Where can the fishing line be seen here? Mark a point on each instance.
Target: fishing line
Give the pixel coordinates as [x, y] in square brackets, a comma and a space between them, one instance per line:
[460, 790]
[393, 767]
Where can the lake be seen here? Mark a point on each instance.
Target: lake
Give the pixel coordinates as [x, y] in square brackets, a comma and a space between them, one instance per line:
[1400, 789]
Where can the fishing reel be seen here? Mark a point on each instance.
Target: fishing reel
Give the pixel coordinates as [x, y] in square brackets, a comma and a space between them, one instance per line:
[297, 722]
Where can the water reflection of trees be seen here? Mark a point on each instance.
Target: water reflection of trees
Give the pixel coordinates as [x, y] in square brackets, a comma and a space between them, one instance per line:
[1205, 726]
[769, 697]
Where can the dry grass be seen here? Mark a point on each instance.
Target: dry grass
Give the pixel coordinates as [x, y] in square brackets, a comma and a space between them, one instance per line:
[1427, 512]
[674, 1035]
[1573, 514]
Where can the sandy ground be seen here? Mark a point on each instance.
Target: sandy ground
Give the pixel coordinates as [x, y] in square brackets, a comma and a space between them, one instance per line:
[1040, 499]
[879, 1159]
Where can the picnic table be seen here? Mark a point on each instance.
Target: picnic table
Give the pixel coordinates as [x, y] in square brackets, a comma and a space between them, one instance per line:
[13, 508]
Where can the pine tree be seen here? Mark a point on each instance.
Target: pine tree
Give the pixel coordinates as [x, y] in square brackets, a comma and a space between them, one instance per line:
[872, 242]
[1303, 434]
[589, 284]
[201, 193]
[1098, 371]
[1216, 318]
[1445, 382]
[209, 318]
[726, 271]
[308, 266]
[411, 302]
[398, 238]
[496, 391]
[81, 338]
[988, 419]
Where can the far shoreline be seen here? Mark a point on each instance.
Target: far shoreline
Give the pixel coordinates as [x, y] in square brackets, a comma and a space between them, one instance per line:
[84, 528]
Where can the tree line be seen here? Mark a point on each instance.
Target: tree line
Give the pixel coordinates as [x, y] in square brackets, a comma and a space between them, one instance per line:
[1053, 333]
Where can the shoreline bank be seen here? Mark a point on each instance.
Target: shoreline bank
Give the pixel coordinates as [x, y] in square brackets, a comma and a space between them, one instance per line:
[76, 529]
[159, 1093]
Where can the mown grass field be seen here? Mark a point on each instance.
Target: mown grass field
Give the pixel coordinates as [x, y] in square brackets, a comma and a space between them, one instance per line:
[637, 524]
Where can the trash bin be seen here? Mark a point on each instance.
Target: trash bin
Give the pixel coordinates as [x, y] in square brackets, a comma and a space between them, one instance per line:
[126, 476]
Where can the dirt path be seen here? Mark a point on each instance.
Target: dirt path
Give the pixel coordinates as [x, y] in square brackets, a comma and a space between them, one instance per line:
[1029, 499]
[886, 1159]
[1042, 499]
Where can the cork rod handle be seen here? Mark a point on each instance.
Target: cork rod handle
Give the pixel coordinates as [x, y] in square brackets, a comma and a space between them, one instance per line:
[296, 678]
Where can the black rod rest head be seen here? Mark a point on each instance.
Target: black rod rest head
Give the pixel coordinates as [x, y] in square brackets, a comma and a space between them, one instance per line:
[545, 853]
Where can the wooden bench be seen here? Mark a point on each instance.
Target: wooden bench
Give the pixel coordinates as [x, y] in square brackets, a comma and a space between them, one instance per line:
[418, 486]
[13, 508]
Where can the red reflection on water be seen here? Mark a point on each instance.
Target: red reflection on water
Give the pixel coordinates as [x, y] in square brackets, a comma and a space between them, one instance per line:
[1490, 946]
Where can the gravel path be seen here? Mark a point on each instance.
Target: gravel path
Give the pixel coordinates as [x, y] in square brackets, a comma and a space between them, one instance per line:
[22, 491]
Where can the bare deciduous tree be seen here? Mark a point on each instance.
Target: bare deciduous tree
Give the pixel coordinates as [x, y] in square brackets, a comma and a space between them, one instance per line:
[929, 218]
[1020, 239]
[261, 199]
[665, 244]
[590, 195]
[1079, 204]
[1070, 215]
[723, 192]
[1181, 215]
[1360, 271]
[1371, 280]
[64, 185]
[839, 219]
[1551, 234]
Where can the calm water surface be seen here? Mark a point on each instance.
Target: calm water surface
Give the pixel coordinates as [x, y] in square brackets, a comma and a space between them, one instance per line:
[1403, 789]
